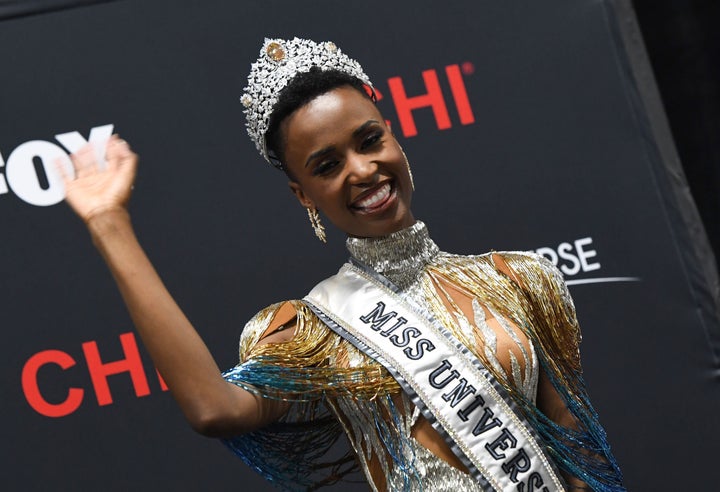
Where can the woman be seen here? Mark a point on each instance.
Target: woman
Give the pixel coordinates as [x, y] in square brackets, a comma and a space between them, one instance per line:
[501, 404]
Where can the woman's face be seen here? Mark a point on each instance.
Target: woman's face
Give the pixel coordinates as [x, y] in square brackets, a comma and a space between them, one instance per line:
[346, 163]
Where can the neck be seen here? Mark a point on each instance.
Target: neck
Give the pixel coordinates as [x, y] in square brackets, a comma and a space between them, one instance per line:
[400, 256]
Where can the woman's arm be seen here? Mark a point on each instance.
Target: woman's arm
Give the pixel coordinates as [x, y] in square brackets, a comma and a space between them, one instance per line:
[211, 405]
[552, 405]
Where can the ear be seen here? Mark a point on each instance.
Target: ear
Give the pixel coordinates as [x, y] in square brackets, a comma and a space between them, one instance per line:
[300, 195]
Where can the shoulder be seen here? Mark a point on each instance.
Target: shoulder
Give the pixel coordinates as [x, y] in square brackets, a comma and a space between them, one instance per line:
[524, 267]
[537, 277]
[545, 288]
[274, 324]
[528, 257]
[529, 269]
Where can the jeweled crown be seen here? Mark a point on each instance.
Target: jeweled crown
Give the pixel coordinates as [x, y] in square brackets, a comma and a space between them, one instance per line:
[280, 60]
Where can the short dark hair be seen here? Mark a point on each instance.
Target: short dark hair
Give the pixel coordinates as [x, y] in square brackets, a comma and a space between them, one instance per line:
[302, 89]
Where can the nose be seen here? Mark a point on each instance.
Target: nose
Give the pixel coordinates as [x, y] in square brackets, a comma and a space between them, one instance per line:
[362, 170]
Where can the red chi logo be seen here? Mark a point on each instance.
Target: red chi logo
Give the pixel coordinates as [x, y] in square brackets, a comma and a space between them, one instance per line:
[98, 370]
[29, 169]
[432, 98]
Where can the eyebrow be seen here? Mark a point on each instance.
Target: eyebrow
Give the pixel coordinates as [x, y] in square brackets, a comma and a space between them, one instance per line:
[362, 127]
[330, 148]
[319, 153]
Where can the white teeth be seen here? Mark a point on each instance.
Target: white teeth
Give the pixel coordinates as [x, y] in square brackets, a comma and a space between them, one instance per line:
[380, 195]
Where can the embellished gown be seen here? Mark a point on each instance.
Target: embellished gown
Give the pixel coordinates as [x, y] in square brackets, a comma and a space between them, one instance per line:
[512, 310]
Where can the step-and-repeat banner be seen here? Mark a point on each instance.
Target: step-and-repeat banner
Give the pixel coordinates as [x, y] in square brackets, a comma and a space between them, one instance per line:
[529, 125]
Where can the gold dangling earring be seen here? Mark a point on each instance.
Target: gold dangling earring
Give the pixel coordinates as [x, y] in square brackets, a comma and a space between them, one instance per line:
[316, 225]
[407, 163]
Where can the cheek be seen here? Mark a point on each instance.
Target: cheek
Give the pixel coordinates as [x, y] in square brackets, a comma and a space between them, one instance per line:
[327, 195]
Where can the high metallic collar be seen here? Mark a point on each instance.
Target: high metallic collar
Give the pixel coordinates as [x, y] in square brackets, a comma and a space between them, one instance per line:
[400, 256]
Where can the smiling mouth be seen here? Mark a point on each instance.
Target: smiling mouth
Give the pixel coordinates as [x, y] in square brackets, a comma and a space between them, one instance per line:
[374, 200]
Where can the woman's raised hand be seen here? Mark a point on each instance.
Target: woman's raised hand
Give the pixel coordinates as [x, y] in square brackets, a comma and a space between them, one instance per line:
[99, 195]
[91, 190]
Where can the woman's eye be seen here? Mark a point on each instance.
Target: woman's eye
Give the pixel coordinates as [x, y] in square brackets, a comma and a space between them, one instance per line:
[371, 140]
[324, 167]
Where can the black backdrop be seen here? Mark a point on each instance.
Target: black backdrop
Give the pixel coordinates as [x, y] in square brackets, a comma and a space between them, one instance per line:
[683, 44]
[567, 153]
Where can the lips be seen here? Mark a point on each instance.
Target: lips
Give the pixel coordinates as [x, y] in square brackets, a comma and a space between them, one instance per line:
[375, 199]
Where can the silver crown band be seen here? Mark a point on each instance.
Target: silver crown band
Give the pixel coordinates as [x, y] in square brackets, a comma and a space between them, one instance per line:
[279, 62]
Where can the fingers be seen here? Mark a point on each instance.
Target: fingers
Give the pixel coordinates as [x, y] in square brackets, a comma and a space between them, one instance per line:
[84, 162]
[62, 170]
[118, 152]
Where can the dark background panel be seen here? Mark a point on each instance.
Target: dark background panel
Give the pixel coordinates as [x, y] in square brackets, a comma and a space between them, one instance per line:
[560, 150]
[683, 45]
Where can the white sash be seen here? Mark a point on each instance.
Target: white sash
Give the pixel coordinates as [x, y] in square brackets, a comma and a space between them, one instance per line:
[458, 396]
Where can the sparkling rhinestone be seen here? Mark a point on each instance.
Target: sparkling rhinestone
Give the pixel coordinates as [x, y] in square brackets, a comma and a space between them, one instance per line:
[275, 51]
